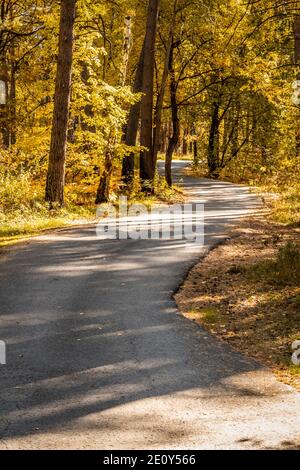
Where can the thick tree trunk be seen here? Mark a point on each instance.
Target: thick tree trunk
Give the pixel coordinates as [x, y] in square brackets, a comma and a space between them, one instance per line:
[173, 142]
[56, 169]
[147, 170]
[133, 123]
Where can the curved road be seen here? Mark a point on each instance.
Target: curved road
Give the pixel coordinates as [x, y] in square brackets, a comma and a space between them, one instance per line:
[98, 357]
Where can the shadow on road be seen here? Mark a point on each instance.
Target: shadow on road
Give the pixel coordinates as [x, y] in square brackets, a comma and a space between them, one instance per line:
[91, 329]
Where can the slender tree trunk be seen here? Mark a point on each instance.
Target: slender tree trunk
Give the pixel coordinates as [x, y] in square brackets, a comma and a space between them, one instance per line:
[56, 169]
[226, 135]
[126, 48]
[297, 43]
[133, 123]
[163, 147]
[88, 108]
[195, 146]
[213, 145]
[147, 170]
[103, 192]
[297, 64]
[173, 142]
[236, 123]
[195, 153]
[4, 122]
[12, 105]
[12, 91]
[184, 142]
[160, 99]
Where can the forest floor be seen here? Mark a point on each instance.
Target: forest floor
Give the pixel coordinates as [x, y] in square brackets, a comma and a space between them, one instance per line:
[247, 293]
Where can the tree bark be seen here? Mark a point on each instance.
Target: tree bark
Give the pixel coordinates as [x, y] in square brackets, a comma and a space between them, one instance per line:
[88, 108]
[213, 145]
[4, 108]
[185, 142]
[57, 156]
[195, 146]
[161, 95]
[126, 48]
[173, 142]
[147, 170]
[297, 64]
[236, 123]
[103, 192]
[12, 104]
[133, 123]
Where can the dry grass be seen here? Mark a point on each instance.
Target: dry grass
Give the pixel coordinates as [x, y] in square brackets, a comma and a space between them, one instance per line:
[247, 292]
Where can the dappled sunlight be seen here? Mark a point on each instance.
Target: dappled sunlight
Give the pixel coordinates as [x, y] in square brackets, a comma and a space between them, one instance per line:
[95, 343]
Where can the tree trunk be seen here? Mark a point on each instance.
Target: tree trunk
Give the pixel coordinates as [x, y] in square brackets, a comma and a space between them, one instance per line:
[164, 136]
[12, 104]
[236, 123]
[185, 148]
[195, 153]
[88, 108]
[173, 142]
[103, 192]
[12, 89]
[213, 145]
[133, 124]
[195, 146]
[126, 49]
[161, 95]
[4, 108]
[147, 170]
[56, 169]
[297, 64]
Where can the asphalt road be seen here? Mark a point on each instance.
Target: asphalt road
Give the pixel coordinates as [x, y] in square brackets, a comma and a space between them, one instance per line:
[98, 357]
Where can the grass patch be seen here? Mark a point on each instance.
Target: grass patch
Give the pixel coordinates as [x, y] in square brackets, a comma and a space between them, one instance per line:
[23, 212]
[208, 315]
[16, 227]
[286, 208]
[285, 269]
